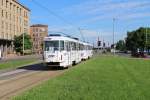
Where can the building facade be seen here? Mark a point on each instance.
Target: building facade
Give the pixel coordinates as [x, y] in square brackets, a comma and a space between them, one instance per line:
[14, 21]
[38, 32]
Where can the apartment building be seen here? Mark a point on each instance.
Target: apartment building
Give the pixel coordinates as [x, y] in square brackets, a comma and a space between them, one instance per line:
[14, 20]
[38, 32]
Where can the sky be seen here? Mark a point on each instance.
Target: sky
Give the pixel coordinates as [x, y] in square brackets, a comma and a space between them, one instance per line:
[93, 17]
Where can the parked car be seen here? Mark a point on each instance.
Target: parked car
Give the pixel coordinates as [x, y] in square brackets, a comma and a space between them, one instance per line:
[139, 55]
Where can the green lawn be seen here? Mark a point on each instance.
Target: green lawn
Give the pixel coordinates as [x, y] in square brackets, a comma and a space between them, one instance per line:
[16, 63]
[101, 78]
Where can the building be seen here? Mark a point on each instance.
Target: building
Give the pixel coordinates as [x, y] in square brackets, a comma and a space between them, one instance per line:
[38, 32]
[14, 20]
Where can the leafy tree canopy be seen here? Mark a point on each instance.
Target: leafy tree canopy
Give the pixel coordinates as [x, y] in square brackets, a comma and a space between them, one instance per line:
[18, 43]
[121, 45]
[137, 39]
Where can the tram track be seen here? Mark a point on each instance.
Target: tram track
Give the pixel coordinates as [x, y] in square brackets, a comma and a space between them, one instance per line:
[24, 81]
[5, 81]
[6, 96]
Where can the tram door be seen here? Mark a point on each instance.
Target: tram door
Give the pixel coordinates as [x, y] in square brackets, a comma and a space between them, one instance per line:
[68, 49]
[78, 53]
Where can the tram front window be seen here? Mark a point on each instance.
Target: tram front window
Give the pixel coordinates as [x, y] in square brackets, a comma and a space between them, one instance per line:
[52, 46]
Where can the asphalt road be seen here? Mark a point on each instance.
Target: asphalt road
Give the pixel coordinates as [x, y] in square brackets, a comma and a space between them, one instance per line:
[124, 55]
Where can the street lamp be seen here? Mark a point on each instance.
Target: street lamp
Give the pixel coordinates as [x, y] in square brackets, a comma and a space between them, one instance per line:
[146, 39]
[23, 44]
[114, 35]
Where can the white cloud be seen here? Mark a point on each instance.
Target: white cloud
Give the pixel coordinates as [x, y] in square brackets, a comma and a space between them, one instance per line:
[107, 36]
[65, 30]
[117, 7]
[136, 15]
[95, 10]
[93, 33]
[89, 33]
[121, 16]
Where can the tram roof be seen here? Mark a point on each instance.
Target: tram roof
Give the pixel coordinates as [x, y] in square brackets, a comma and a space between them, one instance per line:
[51, 38]
[54, 38]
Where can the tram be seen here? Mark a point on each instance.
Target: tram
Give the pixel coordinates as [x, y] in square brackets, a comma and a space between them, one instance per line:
[65, 51]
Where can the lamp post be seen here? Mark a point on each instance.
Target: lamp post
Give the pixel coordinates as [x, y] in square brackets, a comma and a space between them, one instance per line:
[23, 45]
[114, 36]
[146, 39]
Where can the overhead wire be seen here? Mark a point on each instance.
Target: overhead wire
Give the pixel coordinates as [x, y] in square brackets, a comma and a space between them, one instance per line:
[59, 17]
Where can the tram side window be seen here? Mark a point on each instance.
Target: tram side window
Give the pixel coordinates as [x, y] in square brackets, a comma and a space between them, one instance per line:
[68, 46]
[81, 47]
[87, 47]
[91, 48]
[61, 45]
[73, 45]
[77, 46]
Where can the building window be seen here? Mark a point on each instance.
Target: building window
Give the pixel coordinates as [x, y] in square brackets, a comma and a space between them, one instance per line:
[2, 13]
[2, 24]
[36, 29]
[20, 12]
[2, 2]
[6, 15]
[6, 3]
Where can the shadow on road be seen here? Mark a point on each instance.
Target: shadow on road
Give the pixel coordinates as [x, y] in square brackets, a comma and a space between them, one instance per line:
[40, 67]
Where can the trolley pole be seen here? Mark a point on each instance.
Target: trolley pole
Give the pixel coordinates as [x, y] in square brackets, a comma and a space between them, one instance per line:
[80, 30]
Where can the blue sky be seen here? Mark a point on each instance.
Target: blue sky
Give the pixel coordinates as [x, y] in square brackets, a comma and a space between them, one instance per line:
[94, 17]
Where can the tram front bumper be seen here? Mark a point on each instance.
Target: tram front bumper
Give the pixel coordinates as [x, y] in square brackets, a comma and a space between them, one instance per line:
[53, 63]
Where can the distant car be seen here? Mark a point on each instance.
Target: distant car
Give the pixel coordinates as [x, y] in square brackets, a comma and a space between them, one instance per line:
[139, 55]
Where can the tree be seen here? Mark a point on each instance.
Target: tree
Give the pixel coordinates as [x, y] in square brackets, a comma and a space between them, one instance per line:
[136, 40]
[121, 45]
[18, 43]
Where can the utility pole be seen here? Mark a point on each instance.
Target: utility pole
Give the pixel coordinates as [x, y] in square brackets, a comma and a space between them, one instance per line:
[103, 46]
[146, 39]
[98, 44]
[23, 45]
[114, 36]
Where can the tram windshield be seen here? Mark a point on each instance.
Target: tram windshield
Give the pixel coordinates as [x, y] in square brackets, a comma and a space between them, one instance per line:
[54, 46]
[51, 46]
